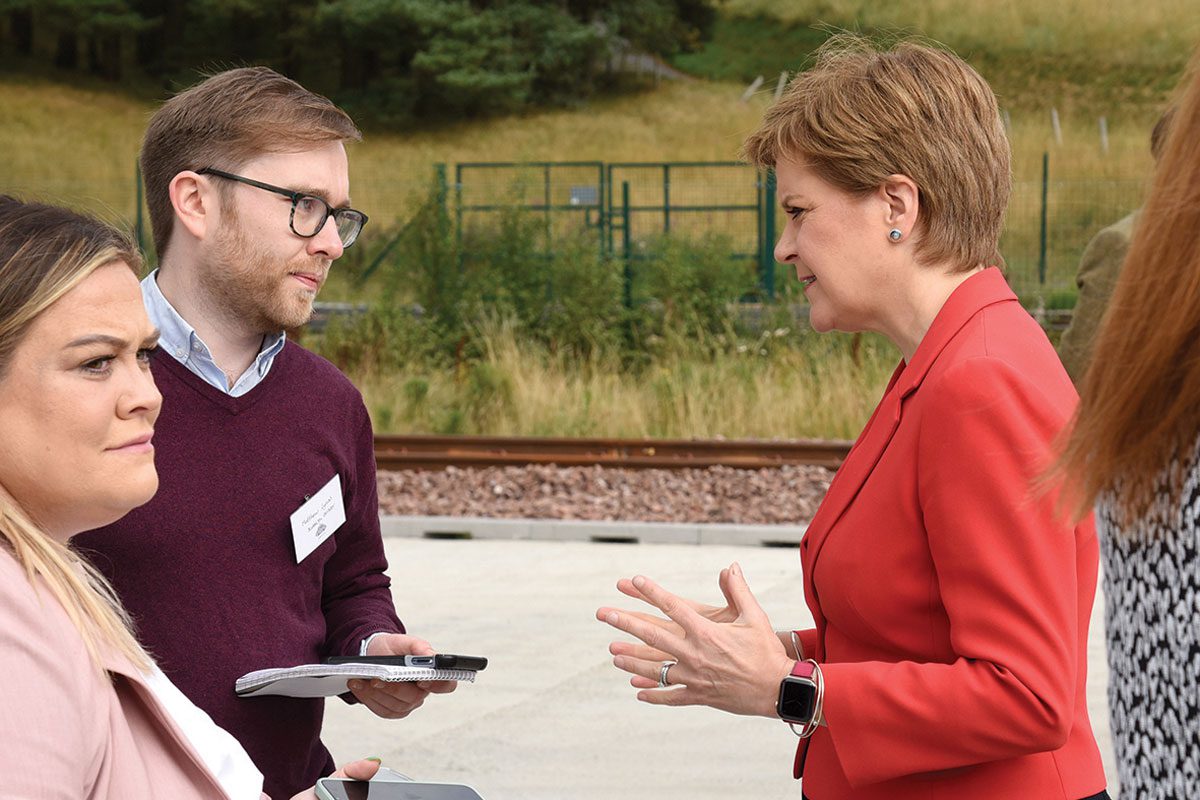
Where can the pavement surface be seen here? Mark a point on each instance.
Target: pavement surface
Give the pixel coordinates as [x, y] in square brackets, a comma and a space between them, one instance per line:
[551, 717]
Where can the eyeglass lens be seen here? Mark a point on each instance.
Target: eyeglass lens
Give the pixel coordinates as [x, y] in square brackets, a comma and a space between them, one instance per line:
[310, 214]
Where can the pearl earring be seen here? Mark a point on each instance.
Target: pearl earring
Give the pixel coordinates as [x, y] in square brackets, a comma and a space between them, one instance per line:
[895, 234]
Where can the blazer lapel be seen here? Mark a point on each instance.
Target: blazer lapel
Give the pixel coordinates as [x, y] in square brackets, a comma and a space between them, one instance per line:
[116, 664]
[971, 296]
[854, 471]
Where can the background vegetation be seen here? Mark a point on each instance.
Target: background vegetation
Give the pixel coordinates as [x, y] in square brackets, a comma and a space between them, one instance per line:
[496, 336]
[490, 333]
[388, 61]
[1082, 56]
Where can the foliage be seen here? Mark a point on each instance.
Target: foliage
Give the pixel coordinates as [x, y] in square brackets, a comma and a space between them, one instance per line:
[391, 61]
[443, 292]
[778, 383]
[686, 288]
[742, 48]
[404, 60]
[93, 36]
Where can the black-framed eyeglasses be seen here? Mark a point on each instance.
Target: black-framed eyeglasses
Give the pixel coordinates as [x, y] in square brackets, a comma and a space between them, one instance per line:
[309, 212]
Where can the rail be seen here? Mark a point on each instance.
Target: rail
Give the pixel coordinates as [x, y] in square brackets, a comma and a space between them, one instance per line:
[430, 452]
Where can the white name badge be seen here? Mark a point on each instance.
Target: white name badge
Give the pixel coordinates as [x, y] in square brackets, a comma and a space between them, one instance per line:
[318, 518]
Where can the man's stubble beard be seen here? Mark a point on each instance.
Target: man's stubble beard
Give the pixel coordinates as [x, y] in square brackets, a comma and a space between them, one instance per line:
[253, 287]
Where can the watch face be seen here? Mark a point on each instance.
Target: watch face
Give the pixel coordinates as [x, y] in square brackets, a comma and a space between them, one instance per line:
[796, 696]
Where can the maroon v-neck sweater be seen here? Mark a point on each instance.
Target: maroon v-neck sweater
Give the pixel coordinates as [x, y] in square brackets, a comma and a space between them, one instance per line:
[208, 567]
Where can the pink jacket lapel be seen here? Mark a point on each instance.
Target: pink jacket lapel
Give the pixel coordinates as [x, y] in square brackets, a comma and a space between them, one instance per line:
[116, 664]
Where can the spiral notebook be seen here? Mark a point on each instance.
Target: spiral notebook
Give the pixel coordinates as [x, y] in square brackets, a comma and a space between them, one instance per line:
[328, 680]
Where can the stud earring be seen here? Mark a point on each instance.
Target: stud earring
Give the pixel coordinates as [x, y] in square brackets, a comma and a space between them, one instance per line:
[894, 234]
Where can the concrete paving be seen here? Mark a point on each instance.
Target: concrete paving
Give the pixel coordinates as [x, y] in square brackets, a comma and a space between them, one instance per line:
[603, 531]
[551, 718]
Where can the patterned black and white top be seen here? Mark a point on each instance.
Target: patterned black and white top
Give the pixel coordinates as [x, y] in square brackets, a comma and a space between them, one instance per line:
[1152, 615]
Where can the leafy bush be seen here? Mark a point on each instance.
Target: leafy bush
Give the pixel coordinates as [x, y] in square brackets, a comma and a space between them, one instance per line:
[694, 284]
[441, 289]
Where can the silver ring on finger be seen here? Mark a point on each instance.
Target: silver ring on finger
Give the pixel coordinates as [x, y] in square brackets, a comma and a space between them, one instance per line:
[662, 674]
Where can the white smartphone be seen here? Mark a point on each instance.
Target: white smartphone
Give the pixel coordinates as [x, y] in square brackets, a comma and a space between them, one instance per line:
[346, 789]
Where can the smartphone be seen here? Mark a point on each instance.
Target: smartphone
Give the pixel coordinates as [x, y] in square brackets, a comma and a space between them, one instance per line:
[439, 661]
[346, 789]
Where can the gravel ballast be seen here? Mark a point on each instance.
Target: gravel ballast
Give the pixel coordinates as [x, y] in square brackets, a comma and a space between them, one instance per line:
[784, 495]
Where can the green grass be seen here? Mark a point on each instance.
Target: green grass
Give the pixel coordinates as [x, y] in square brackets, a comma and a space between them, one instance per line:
[744, 47]
[1089, 55]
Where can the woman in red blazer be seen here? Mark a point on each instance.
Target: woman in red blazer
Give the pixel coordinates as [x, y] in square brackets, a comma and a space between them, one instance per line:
[951, 599]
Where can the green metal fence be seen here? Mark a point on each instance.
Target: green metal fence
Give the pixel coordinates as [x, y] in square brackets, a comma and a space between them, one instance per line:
[623, 205]
[567, 196]
[1050, 223]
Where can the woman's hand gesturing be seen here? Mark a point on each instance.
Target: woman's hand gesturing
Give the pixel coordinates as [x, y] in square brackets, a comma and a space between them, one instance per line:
[727, 658]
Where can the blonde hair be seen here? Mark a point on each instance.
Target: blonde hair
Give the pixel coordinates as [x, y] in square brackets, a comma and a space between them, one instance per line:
[1138, 414]
[862, 114]
[226, 120]
[45, 252]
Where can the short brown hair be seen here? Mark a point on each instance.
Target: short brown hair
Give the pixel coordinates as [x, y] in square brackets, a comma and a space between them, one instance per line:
[225, 121]
[862, 114]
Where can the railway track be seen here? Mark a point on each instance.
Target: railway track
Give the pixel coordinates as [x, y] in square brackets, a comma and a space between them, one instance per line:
[438, 452]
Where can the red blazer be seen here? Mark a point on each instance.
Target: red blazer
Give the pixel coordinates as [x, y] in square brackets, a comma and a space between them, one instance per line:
[951, 601]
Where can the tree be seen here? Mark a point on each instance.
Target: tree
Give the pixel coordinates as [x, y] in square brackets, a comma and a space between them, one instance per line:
[392, 61]
[92, 36]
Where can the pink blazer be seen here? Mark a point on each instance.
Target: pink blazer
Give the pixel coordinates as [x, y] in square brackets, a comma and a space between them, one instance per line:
[951, 601]
[67, 731]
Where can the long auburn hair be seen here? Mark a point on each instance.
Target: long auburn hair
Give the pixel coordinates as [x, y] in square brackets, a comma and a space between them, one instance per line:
[1139, 410]
[45, 252]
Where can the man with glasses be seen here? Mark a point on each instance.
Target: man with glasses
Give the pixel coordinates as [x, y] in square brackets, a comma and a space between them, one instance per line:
[262, 547]
[309, 212]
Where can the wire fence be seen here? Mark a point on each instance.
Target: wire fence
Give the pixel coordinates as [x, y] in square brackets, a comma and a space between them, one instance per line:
[623, 206]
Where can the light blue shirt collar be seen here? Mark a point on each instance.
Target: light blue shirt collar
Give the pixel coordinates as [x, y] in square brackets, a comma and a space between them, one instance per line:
[181, 341]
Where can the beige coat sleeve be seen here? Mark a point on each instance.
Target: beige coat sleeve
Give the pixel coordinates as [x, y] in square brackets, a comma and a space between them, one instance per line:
[1096, 277]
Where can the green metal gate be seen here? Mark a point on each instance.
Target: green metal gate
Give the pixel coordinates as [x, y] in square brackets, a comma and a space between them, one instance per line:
[625, 204]
[693, 199]
[568, 195]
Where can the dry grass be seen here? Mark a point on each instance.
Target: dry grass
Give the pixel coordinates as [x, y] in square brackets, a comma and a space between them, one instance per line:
[72, 146]
[679, 121]
[817, 388]
[79, 146]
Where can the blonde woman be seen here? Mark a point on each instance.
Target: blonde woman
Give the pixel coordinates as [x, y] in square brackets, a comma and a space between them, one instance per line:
[1135, 451]
[84, 712]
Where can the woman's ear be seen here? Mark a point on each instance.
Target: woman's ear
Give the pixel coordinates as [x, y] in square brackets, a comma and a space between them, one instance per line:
[901, 200]
[195, 202]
